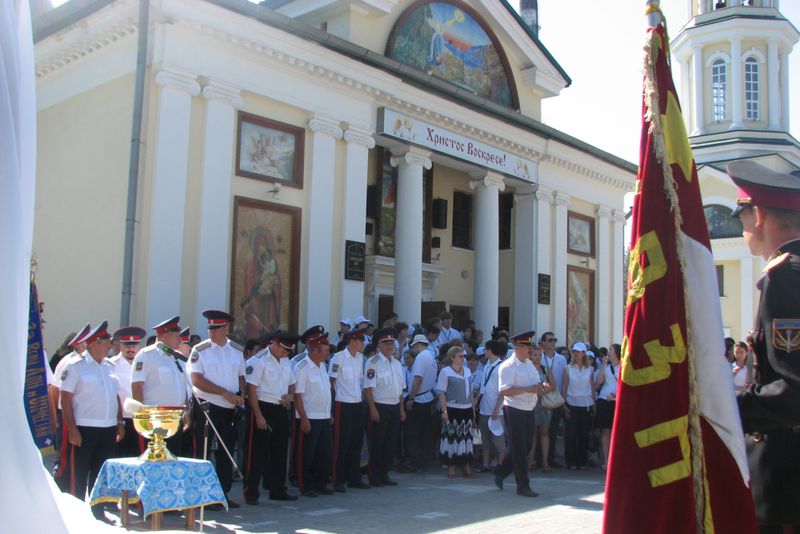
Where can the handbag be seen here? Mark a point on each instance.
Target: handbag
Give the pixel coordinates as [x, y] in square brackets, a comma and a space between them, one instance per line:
[477, 439]
[552, 400]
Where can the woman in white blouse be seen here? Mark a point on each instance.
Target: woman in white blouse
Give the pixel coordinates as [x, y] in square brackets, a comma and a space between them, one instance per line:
[458, 414]
[578, 390]
[606, 384]
[740, 379]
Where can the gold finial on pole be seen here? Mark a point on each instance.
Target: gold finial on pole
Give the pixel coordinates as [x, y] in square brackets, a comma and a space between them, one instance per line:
[34, 267]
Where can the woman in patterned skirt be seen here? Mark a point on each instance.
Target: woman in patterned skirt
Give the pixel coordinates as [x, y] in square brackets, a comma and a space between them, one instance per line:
[458, 414]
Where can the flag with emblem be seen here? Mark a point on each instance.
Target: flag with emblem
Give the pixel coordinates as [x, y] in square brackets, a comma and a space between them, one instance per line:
[677, 461]
[37, 404]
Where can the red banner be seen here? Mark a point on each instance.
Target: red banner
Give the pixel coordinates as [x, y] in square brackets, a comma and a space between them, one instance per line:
[677, 448]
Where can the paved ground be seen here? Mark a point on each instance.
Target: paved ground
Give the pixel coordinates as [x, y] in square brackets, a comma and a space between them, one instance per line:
[568, 502]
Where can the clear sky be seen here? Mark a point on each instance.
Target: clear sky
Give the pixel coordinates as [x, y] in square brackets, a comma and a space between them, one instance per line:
[599, 44]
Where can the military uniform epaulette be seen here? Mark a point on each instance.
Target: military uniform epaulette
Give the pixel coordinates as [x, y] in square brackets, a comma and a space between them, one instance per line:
[375, 359]
[776, 261]
[107, 361]
[236, 346]
[261, 353]
[302, 363]
[203, 345]
[794, 262]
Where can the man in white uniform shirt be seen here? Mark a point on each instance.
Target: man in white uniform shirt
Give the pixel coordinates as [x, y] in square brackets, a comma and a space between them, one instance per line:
[447, 333]
[217, 369]
[312, 402]
[347, 379]
[129, 339]
[557, 363]
[270, 389]
[418, 426]
[520, 388]
[156, 379]
[92, 413]
[383, 386]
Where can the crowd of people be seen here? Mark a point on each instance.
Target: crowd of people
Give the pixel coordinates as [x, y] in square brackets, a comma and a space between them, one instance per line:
[361, 400]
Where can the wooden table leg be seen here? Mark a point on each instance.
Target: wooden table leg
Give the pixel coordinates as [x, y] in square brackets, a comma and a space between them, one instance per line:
[190, 518]
[123, 509]
[155, 521]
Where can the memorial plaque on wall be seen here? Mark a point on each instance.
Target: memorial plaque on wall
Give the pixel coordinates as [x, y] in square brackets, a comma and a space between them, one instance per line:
[544, 289]
[354, 255]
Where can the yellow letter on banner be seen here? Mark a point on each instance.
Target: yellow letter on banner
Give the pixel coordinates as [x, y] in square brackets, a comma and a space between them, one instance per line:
[660, 356]
[640, 277]
[676, 428]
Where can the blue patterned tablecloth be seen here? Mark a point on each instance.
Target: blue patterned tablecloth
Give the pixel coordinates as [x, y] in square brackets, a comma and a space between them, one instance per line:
[160, 486]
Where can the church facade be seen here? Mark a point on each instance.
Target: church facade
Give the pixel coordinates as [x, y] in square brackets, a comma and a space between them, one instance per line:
[297, 163]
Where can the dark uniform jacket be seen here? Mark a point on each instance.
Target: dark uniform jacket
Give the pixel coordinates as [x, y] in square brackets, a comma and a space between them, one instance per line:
[770, 408]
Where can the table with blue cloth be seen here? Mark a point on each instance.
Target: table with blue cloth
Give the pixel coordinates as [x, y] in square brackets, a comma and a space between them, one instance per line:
[160, 486]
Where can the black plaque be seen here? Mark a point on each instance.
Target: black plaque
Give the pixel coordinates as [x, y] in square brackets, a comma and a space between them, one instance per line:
[544, 289]
[354, 254]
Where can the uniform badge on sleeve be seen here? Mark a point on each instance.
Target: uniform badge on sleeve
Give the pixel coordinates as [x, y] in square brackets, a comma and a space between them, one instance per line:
[335, 368]
[786, 334]
[370, 373]
[249, 370]
[139, 366]
[195, 357]
[64, 375]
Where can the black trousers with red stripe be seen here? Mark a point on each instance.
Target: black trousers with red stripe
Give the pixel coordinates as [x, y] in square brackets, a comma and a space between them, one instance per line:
[348, 439]
[82, 464]
[383, 440]
[266, 448]
[520, 432]
[313, 466]
[224, 420]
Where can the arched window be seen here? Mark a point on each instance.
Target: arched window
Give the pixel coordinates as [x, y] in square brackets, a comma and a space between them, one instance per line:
[751, 88]
[719, 90]
[720, 223]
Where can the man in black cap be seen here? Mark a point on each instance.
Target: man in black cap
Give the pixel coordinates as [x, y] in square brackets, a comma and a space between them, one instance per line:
[270, 389]
[129, 339]
[216, 366]
[92, 413]
[520, 388]
[769, 208]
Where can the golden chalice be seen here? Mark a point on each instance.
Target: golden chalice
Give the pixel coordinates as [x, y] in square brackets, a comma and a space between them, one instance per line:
[157, 423]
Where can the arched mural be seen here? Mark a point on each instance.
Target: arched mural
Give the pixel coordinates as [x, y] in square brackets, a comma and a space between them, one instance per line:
[449, 40]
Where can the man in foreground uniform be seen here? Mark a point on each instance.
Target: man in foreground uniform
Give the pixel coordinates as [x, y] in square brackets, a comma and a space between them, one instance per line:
[270, 389]
[129, 339]
[217, 369]
[769, 208]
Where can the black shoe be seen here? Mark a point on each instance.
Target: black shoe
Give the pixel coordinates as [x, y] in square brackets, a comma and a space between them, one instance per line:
[376, 483]
[498, 481]
[339, 488]
[325, 491]
[388, 481]
[233, 505]
[251, 502]
[216, 507]
[359, 485]
[527, 492]
[283, 497]
[556, 465]
[310, 493]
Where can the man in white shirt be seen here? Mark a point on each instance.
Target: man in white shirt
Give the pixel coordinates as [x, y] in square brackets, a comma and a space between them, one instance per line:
[447, 333]
[312, 403]
[216, 366]
[520, 388]
[418, 425]
[490, 403]
[557, 363]
[347, 380]
[129, 339]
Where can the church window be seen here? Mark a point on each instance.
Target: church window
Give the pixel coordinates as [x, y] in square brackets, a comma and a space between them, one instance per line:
[719, 90]
[462, 220]
[720, 223]
[751, 88]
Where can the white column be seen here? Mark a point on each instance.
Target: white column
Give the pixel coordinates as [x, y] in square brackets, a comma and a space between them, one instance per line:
[773, 82]
[686, 88]
[168, 196]
[784, 96]
[746, 306]
[487, 242]
[408, 232]
[603, 276]
[699, 118]
[526, 234]
[558, 286]
[545, 254]
[359, 143]
[736, 84]
[320, 217]
[215, 202]
[617, 277]
[703, 7]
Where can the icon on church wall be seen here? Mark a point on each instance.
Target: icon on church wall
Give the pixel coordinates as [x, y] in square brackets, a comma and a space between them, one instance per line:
[448, 40]
[264, 290]
[580, 234]
[580, 305]
[269, 150]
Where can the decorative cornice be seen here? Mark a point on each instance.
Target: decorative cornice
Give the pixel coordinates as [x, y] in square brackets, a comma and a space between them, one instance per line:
[543, 193]
[487, 180]
[170, 78]
[357, 136]
[561, 199]
[324, 125]
[411, 156]
[617, 217]
[218, 92]
[603, 212]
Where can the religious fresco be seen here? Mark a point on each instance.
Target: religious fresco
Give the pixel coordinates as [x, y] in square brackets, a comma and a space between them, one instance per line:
[445, 40]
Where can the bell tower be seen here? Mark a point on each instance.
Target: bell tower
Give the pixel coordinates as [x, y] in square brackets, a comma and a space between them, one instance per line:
[733, 57]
